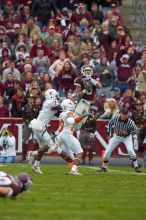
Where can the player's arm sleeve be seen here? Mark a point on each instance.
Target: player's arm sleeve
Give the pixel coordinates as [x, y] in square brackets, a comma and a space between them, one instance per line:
[74, 120]
[6, 192]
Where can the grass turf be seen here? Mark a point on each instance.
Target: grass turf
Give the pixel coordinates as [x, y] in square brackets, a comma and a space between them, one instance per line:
[93, 196]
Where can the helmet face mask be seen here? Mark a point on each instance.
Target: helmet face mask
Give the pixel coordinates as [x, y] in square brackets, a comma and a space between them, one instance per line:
[87, 70]
[67, 105]
[51, 94]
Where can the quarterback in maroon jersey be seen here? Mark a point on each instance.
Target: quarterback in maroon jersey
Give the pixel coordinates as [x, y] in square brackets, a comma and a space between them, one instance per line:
[12, 186]
[86, 86]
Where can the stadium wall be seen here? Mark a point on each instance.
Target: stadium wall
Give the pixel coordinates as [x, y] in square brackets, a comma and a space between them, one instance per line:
[16, 127]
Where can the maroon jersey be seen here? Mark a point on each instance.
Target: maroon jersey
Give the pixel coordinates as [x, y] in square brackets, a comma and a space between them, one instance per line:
[83, 82]
[9, 181]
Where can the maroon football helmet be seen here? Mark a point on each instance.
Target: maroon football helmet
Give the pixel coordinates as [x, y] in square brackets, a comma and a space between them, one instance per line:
[26, 181]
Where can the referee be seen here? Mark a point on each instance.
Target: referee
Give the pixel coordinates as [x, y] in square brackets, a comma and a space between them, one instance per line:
[124, 131]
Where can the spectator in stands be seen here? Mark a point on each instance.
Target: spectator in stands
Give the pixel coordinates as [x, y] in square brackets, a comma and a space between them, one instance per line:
[50, 35]
[41, 62]
[8, 146]
[43, 10]
[135, 78]
[53, 49]
[106, 35]
[106, 75]
[114, 23]
[71, 30]
[17, 103]
[63, 19]
[11, 69]
[142, 81]
[21, 48]
[66, 78]
[1, 88]
[25, 68]
[106, 5]
[7, 8]
[37, 46]
[110, 108]
[5, 55]
[30, 28]
[9, 86]
[28, 79]
[125, 66]
[58, 64]
[77, 50]
[95, 59]
[34, 89]
[142, 98]
[44, 78]
[79, 13]
[128, 100]
[117, 13]
[25, 13]
[111, 50]
[142, 60]
[117, 95]
[4, 111]
[96, 14]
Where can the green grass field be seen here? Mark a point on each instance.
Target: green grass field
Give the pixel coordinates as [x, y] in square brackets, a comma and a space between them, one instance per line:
[58, 196]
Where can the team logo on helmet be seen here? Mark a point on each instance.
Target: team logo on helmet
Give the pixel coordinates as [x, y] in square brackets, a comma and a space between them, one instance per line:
[51, 94]
[87, 70]
[67, 105]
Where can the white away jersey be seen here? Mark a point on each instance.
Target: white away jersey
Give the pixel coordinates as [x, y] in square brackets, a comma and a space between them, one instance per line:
[68, 120]
[47, 112]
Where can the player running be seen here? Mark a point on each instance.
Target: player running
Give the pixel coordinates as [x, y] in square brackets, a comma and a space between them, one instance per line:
[65, 139]
[39, 126]
[12, 186]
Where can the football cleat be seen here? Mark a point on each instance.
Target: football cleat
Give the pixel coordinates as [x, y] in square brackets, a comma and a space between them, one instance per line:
[75, 173]
[102, 170]
[137, 170]
[30, 157]
[37, 169]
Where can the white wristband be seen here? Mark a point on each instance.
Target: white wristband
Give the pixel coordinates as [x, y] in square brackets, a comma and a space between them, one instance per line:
[84, 91]
[93, 81]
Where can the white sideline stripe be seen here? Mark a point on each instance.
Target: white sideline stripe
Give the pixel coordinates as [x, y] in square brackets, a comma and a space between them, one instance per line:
[2, 165]
[118, 171]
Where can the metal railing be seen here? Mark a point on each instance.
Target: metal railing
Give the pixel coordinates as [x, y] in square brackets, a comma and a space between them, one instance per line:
[139, 13]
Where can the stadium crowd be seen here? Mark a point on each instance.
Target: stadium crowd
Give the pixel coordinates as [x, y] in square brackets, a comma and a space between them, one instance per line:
[44, 44]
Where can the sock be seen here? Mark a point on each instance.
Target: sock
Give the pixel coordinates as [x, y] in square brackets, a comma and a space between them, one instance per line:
[74, 168]
[105, 164]
[135, 163]
[34, 153]
[37, 163]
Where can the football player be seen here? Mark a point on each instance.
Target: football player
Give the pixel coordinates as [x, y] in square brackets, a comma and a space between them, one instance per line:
[50, 107]
[86, 85]
[65, 138]
[12, 186]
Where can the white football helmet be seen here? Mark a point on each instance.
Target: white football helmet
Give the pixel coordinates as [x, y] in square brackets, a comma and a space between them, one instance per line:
[67, 105]
[51, 94]
[87, 70]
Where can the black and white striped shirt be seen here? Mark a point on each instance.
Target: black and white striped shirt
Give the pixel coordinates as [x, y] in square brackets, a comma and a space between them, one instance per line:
[116, 125]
